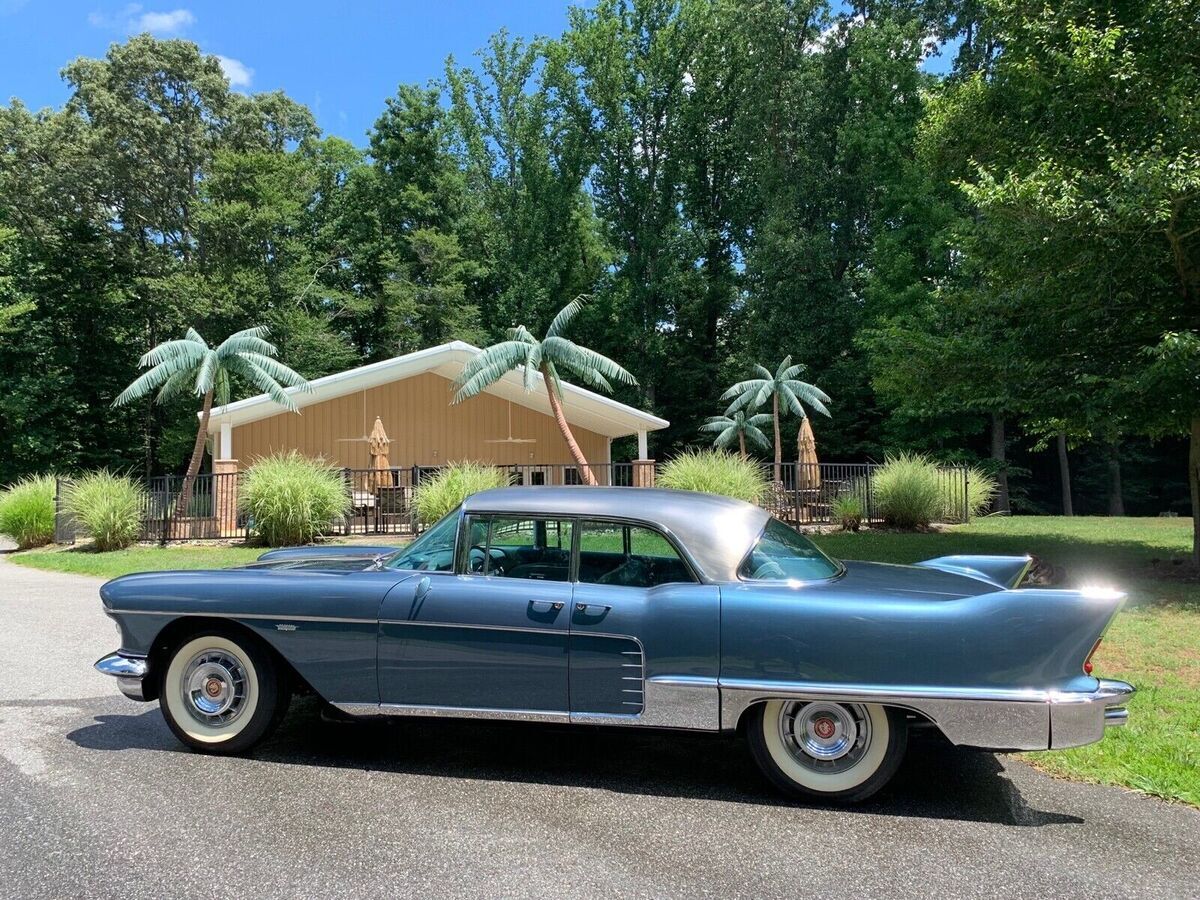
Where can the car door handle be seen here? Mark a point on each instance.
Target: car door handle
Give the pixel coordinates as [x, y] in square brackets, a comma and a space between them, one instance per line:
[546, 605]
[592, 609]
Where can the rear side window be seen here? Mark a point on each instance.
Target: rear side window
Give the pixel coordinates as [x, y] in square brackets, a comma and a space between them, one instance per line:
[628, 556]
[783, 554]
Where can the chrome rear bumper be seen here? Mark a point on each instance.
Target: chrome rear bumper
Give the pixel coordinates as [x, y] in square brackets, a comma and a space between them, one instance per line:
[1078, 719]
[130, 671]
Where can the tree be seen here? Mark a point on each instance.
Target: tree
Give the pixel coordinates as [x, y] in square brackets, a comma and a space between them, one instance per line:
[783, 388]
[738, 426]
[190, 365]
[547, 356]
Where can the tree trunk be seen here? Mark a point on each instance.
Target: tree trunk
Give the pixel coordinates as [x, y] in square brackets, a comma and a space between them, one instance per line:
[1194, 485]
[185, 492]
[1064, 474]
[998, 454]
[1116, 500]
[778, 441]
[742, 444]
[585, 471]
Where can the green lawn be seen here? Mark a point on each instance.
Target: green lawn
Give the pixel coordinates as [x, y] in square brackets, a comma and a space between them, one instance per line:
[1154, 643]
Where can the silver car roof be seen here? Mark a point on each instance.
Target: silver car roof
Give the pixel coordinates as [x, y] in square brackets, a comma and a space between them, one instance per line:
[715, 532]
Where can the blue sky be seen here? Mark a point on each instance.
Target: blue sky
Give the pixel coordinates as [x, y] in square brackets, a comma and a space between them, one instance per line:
[342, 60]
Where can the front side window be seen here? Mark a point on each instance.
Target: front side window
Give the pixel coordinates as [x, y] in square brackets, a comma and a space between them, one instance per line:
[783, 554]
[628, 556]
[516, 547]
[431, 552]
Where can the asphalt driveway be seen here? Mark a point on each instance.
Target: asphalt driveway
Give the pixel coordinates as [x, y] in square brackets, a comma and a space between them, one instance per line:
[98, 800]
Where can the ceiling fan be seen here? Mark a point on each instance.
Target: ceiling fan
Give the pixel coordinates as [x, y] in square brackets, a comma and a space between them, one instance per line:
[510, 439]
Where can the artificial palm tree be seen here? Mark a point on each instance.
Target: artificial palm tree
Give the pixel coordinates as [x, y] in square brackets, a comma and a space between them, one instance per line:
[783, 389]
[191, 366]
[547, 356]
[735, 425]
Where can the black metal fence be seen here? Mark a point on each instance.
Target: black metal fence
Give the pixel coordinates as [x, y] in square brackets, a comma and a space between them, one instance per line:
[381, 500]
[814, 493]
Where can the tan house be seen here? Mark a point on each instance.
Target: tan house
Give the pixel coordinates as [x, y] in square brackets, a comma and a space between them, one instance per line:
[411, 396]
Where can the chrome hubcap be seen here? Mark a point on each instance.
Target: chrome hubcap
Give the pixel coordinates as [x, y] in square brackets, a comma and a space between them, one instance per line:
[826, 737]
[215, 687]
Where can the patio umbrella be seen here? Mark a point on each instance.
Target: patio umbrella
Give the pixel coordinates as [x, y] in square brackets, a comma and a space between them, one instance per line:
[808, 468]
[378, 444]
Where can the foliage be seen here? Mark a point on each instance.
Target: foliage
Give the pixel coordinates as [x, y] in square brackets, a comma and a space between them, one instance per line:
[981, 488]
[909, 491]
[292, 499]
[848, 511]
[738, 429]
[544, 357]
[715, 472]
[106, 506]
[786, 393]
[450, 486]
[27, 511]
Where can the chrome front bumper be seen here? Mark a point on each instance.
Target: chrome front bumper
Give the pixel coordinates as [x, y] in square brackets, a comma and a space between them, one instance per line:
[1078, 719]
[130, 671]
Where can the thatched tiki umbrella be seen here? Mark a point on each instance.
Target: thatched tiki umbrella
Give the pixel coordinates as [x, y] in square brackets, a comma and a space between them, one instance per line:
[808, 467]
[378, 444]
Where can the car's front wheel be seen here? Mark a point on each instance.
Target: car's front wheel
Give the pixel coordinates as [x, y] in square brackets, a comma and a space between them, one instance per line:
[836, 752]
[222, 692]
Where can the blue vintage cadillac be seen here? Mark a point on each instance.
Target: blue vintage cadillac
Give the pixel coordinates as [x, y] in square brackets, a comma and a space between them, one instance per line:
[627, 606]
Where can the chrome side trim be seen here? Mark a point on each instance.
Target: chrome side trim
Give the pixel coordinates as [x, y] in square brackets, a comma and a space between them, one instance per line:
[1002, 720]
[474, 627]
[129, 671]
[453, 712]
[228, 615]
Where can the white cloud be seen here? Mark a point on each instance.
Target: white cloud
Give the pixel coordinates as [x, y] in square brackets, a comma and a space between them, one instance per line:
[134, 18]
[239, 74]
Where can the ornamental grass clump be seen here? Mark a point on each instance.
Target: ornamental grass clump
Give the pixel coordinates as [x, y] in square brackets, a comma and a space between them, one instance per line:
[292, 499]
[847, 511]
[450, 486]
[27, 511]
[107, 507]
[981, 488]
[716, 472]
[909, 492]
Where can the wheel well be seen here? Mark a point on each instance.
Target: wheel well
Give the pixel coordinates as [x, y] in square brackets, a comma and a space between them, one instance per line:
[915, 718]
[179, 630]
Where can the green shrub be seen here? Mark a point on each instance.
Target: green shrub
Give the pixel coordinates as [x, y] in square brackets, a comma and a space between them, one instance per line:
[27, 511]
[107, 507]
[449, 487]
[716, 472]
[981, 488]
[847, 511]
[909, 491]
[292, 499]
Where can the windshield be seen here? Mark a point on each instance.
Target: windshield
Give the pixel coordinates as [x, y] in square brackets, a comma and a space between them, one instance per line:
[433, 551]
[783, 554]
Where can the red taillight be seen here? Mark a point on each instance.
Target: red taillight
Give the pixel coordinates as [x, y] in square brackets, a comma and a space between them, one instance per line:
[1087, 663]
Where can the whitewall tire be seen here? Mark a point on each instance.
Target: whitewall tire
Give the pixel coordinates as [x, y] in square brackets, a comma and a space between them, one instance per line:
[222, 692]
[837, 752]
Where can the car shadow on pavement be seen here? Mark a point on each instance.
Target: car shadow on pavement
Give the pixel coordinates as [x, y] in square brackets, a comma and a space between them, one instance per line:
[936, 781]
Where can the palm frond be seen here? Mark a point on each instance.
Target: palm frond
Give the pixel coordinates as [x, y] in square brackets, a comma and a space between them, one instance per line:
[489, 367]
[583, 361]
[250, 340]
[206, 374]
[742, 387]
[754, 435]
[277, 370]
[716, 424]
[783, 366]
[181, 349]
[565, 315]
[155, 378]
[811, 394]
[533, 365]
[263, 381]
[222, 389]
[193, 335]
[179, 383]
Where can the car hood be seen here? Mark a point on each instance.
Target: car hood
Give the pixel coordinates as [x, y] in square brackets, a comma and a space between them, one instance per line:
[322, 559]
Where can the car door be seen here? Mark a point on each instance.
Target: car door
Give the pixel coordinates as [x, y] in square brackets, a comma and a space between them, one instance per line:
[644, 630]
[490, 637]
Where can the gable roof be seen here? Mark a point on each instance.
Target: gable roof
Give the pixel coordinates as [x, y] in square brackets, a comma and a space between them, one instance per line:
[582, 407]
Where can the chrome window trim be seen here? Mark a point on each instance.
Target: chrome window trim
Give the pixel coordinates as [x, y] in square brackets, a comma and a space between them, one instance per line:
[787, 582]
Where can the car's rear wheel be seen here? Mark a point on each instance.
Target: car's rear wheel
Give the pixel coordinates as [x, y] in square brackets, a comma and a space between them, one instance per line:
[222, 692]
[836, 752]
